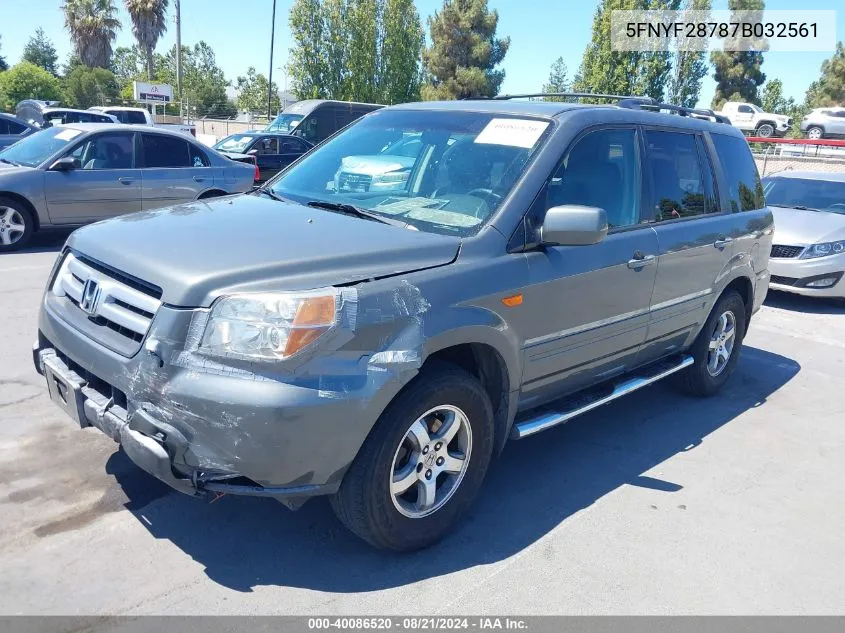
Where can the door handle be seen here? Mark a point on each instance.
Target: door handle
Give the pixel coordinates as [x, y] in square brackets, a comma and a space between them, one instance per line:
[199, 178]
[125, 180]
[640, 259]
[722, 242]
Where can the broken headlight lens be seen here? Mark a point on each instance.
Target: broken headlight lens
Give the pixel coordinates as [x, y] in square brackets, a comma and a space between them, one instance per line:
[271, 326]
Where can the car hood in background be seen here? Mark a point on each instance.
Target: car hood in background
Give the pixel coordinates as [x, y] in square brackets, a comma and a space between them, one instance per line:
[799, 227]
[195, 252]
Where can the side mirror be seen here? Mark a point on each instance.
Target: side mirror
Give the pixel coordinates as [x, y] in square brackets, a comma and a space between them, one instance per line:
[252, 152]
[68, 163]
[573, 225]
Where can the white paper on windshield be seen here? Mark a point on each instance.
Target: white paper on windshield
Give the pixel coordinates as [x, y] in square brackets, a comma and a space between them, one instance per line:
[513, 132]
[67, 134]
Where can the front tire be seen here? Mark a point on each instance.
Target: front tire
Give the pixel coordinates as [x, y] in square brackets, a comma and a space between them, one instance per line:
[765, 130]
[423, 463]
[815, 133]
[16, 225]
[716, 350]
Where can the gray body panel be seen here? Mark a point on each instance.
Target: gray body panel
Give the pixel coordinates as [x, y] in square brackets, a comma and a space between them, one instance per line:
[587, 314]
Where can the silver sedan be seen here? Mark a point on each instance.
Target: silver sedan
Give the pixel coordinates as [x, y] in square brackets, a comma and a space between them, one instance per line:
[71, 175]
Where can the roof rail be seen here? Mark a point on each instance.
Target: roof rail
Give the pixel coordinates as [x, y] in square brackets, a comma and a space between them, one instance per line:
[652, 105]
[576, 95]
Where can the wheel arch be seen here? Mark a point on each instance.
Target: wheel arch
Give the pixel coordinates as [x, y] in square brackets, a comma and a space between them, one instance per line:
[33, 212]
[745, 288]
[211, 193]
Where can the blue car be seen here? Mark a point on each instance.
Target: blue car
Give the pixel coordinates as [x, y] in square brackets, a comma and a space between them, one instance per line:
[13, 129]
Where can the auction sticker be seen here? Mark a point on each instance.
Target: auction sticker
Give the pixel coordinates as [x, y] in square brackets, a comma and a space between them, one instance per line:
[513, 132]
[67, 134]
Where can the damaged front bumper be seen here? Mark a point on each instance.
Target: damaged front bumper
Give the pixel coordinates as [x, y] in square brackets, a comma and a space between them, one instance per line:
[201, 426]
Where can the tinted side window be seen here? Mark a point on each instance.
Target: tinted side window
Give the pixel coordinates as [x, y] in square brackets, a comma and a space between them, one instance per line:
[198, 157]
[291, 146]
[601, 171]
[267, 145]
[744, 188]
[105, 151]
[745, 109]
[681, 187]
[165, 151]
[15, 128]
[4, 127]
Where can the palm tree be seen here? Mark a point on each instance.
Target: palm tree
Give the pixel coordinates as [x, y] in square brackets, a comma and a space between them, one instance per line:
[149, 22]
[92, 25]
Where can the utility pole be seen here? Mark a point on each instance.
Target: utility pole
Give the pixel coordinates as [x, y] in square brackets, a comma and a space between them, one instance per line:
[270, 83]
[179, 54]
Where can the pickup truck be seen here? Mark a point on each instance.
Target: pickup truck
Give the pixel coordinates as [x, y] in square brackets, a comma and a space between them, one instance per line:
[140, 116]
[380, 345]
[750, 118]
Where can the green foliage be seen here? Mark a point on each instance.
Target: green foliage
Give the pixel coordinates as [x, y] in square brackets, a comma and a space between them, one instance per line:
[149, 22]
[3, 64]
[356, 50]
[829, 89]
[86, 87]
[772, 100]
[92, 25]
[253, 91]
[28, 81]
[688, 67]
[127, 64]
[203, 82]
[604, 70]
[558, 79]
[461, 61]
[39, 50]
[737, 73]
[71, 62]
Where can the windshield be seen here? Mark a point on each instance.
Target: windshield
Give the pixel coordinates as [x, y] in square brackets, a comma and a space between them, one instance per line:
[443, 172]
[823, 195]
[235, 143]
[284, 123]
[35, 149]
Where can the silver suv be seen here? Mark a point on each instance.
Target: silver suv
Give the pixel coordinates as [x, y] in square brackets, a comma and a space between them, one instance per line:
[535, 260]
[824, 123]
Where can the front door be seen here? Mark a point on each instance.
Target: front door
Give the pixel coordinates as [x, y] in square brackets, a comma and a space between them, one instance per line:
[267, 156]
[104, 184]
[593, 301]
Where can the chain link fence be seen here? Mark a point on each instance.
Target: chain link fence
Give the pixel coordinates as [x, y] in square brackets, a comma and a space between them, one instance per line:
[777, 155]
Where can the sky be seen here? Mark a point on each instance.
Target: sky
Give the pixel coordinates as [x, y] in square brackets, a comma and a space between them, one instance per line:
[540, 32]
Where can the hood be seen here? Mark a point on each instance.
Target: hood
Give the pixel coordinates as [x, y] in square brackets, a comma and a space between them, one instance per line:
[796, 227]
[7, 170]
[375, 165]
[195, 252]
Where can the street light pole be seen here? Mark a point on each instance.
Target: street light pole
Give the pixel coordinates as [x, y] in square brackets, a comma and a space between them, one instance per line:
[179, 54]
[270, 83]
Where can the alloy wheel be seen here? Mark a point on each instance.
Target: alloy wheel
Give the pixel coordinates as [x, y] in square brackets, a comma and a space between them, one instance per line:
[12, 226]
[722, 343]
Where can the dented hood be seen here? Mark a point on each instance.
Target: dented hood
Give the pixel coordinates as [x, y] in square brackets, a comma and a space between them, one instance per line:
[198, 251]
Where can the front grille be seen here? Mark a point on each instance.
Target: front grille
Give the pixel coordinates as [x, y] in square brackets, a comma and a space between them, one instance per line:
[357, 183]
[781, 251]
[103, 300]
[783, 281]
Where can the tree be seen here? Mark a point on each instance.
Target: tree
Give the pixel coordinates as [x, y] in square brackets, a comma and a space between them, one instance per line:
[149, 22]
[86, 87]
[127, 64]
[92, 25]
[604, 70]
[39, 50]
[203, 82]
[28, 81]
[829, 88]
[688, 67]
[461, 61]
[361, 50]
[252, 92]
[558, 79]
[737, 73]
[3, 64]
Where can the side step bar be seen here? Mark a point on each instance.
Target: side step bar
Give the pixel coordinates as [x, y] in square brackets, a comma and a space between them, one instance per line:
[553, 418]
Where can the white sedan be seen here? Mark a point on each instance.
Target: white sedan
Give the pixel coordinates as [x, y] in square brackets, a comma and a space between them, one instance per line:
[808, 255]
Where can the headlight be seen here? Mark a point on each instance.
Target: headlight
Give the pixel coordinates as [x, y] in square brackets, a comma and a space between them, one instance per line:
[271, 326]
[824, 249]
[391, 177]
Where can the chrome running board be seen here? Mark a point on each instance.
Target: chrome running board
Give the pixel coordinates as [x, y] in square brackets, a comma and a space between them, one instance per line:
[549, 419]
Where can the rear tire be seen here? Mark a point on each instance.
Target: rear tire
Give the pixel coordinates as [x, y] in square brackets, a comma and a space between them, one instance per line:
[399, 452]
[765, 130]
[705, 377]
[815, 133]
[16, 225]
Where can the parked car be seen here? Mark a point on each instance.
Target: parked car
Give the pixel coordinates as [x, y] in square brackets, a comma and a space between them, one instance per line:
[752, 119]
[41, 114]
[387, 169]
[76, 174]
[808, 256]
[140, 116]
[13, 129]
[824, 123]
[380, 347]
[272, 151]
[315, 120]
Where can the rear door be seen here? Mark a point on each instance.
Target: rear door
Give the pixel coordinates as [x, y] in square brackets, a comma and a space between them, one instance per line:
[173, 172]
[290, 149]
[106, 182]
[267, 156]
[592, 301]
[694, 236]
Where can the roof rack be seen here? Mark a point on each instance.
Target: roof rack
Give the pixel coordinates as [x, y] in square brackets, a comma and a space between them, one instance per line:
[632, 102]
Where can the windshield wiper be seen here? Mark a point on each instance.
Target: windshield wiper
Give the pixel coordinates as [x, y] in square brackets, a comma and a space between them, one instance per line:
[269, 193]
[351, 209]
[797, 206]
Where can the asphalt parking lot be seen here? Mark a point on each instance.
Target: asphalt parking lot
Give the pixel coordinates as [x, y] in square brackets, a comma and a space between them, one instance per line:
[657, 504]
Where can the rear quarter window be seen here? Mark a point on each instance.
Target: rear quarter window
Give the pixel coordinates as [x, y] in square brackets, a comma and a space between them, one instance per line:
[744, 188]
